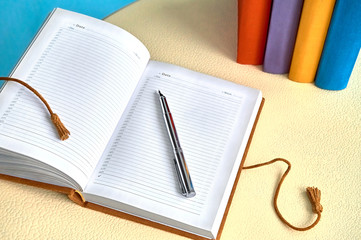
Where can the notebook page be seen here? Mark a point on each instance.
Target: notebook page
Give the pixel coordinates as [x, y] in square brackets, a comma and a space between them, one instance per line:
[213, 119]
[87, 70]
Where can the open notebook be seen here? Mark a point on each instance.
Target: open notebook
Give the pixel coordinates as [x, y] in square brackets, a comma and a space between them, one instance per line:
[102, 83]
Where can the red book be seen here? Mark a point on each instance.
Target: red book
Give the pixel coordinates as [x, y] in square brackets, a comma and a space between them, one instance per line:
[253, 19]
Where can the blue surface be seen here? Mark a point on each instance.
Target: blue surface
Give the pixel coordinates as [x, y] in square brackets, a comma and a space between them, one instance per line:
[21, 19]
[341, 47]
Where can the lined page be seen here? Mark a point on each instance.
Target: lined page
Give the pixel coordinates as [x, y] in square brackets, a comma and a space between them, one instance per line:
[87, 70]
[139, 169]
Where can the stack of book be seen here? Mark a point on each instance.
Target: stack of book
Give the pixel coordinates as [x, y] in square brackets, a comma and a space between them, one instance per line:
[311, 40]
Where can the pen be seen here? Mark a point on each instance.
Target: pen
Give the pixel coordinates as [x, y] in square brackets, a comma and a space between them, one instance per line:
[184, 177]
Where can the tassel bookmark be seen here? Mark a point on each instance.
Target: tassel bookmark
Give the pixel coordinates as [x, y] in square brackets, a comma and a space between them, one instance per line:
[314, 196]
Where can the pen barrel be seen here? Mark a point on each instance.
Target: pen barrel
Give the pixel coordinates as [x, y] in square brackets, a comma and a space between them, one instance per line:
[185, 181]
[172, 131]
[184, 178]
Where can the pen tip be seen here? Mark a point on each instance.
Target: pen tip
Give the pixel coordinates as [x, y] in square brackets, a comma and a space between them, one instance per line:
[160, 94]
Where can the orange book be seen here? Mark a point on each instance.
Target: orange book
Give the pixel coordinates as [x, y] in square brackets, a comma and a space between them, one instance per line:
[312, 31]
[253, 19]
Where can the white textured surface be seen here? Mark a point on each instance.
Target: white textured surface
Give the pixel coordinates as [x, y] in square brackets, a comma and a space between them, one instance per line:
[318, 131]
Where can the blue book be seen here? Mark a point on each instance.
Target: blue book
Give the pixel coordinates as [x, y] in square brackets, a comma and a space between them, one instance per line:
[21, 19]
[341, 47]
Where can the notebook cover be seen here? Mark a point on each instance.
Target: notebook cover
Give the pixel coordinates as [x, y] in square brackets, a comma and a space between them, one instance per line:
[311, 35]
[281, 37]
[76, 196]
[253, 19]
[341, 47]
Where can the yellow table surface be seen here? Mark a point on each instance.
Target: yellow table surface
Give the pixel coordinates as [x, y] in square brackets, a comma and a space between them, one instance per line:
[319, 131]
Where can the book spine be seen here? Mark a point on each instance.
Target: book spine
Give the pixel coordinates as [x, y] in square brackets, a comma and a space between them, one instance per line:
[311, 35]
[342, 46]
[282, 32]
[253, 19]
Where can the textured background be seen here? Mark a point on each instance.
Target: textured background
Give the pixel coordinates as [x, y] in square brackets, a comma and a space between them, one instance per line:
[318, 131]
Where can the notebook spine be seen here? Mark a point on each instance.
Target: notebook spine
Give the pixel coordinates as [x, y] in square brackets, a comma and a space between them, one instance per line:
[77, 197]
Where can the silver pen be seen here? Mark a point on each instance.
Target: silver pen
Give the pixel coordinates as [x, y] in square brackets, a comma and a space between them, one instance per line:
[184, 178]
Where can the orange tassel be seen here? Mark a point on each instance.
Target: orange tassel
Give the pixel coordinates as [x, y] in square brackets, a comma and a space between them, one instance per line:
[62, 131]
[315, 198]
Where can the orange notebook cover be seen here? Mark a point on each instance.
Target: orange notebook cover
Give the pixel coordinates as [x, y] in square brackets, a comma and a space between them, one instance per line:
[253, 20]
[76, 196]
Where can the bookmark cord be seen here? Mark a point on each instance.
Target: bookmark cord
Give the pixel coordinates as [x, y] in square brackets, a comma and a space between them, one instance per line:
[61, 129]
[314, 196]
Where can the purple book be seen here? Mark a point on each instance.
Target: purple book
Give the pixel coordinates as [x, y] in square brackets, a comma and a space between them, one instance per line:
[285, 17]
